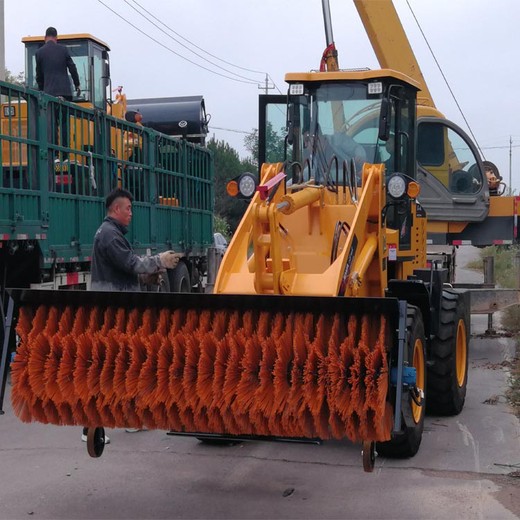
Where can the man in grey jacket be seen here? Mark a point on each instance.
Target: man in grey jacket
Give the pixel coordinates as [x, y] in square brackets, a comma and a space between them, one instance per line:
[115, 266]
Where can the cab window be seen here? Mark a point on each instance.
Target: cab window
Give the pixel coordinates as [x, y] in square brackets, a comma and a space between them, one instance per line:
[98, 81]
[447, 155]
[79, 54]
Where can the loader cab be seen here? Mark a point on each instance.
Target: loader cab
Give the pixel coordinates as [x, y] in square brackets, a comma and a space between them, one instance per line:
[341, 120]
[303, 129]
[91, 57]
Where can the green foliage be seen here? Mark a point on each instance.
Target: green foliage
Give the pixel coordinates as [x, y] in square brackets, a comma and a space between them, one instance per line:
[274, 144]
[227, 166]
[18, 79]
[504, 260]
[251, 144]
[220, 225]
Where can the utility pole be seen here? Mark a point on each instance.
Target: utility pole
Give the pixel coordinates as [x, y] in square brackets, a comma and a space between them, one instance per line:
[266, 86]
[510, 164]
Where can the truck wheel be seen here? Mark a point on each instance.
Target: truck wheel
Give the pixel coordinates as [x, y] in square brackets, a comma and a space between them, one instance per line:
[163, 286]
[448, 370]
[164, 283]
[406, 443]
[180, 281]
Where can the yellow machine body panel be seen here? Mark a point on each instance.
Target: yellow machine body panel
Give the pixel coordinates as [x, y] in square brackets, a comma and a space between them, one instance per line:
[292, 245]
[67, 37]
[343, 75]
[390, 44]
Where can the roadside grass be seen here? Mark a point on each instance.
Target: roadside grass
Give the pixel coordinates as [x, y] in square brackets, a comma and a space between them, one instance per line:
[506, 276]
[505, 272]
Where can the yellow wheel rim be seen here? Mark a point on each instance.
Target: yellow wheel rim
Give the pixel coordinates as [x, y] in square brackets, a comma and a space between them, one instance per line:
[461, 353]
[418, 363]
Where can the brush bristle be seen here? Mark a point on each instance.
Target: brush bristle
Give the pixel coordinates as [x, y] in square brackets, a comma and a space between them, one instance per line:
[257, 373]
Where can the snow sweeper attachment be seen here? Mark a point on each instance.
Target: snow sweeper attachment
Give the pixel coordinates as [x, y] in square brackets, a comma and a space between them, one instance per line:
[270, 367]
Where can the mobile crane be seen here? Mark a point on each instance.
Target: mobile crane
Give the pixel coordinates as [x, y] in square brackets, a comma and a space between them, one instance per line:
[464, 201]
[462, 195]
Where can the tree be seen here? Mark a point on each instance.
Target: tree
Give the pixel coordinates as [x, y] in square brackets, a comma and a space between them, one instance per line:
[274, 144]
[227, 166]
[18, 79]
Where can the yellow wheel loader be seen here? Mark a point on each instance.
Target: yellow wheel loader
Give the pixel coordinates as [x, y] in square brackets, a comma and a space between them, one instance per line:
[325, 322]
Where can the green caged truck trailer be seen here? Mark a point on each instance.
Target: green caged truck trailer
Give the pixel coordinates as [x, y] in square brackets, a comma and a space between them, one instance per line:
[60, 159]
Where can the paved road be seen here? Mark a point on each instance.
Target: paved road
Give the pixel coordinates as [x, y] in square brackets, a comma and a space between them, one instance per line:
[460, 472]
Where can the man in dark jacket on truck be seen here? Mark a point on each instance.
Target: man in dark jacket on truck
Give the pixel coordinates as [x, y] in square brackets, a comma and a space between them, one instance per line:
[52, 62]
[115, 266]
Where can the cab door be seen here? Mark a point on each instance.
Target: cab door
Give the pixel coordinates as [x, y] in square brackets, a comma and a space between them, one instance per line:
[453, 184]
[272, 128]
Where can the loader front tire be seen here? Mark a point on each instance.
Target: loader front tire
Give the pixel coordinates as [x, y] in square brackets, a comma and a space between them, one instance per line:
[406, 443]
[448, 367]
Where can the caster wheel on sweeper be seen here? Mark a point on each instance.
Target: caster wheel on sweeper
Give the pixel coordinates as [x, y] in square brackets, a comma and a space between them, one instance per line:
[369, 456]
[96, 441]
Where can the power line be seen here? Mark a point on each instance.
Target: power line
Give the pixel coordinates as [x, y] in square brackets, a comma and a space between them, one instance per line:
[230, 130]
[180, 43]
[174, 52]
[501, 147]
[275, 85]
[196, 46]
[444, 77]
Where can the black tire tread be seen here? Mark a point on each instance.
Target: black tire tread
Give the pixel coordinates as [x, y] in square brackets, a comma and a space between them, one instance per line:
[178, 276]
[445, 397]
[407, 443]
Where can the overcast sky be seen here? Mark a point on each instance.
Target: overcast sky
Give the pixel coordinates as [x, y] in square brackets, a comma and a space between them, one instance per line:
[475, 41]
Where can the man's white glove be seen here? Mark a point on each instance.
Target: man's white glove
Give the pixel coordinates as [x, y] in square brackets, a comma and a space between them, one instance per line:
[169, 259]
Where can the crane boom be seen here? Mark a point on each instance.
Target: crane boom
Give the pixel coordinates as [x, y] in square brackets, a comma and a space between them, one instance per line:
[390, 43]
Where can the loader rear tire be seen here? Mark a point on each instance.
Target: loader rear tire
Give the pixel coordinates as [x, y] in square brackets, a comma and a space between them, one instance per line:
[448, 367]
[406, 443]
[180, 281]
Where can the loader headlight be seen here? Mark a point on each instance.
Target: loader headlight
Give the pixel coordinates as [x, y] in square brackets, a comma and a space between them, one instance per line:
[396, 186]
[247, 185]
[243, 186]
